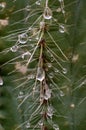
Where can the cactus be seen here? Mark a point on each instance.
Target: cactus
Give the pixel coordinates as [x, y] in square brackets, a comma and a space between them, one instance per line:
[43, 53]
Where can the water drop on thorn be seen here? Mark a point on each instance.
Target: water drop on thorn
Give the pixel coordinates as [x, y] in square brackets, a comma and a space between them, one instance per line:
[1, 81]
[21, 95]
[50, 111]
[37, 38]
[28, 8]
[51, 75]
[40, 123]
[52, 59]
[64, 70]
[26, 54]
[47, 13]
[22, 38]
[30, 40]
[72, 105]
[40, 74]
[56, 70]
[61, 93]
[83, 82]
[2, 6]
[32, 76]
[63, 11]
[60, 0]
[46, 97]
[62, 29]
[56, 127]
[28, 125]
[49, 65]
[38, 2]
[41, 98]
[47, 94]
[14, 48]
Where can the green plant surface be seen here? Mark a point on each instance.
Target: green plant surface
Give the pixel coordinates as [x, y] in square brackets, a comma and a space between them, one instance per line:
[43, 64]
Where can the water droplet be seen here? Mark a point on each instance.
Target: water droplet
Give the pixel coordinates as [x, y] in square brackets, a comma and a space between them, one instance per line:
[30, 39]
[56, 127]
[72, 105]
[47, 94]
[56, 20]
[51, 75]
[51, 85]
[14, 48]
[28, 125]
[49, 65]
[21, 95]
[30, 28]
[61, 93]
[23, 38]
[83, 83]
[40, 74]
[1, 81]
[28, 8]
[41, 98]
[56, 70]
[63, 11]
[32, 45]
[37, 38]
[52, 59]
[2, 6]
[64, 70]
[40, 123]
[62, 29]
[50, 111]
[46, 97]
[60, 0]
[26, 54]
[51, 55]
[38, 2]
[32, 76]
[47, 13]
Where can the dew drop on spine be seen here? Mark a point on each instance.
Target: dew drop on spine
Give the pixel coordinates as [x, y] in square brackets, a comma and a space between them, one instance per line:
[22, 38]
[1, 81]
[47, 13]
[40, 74]
[2, 6]
[14, 48]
